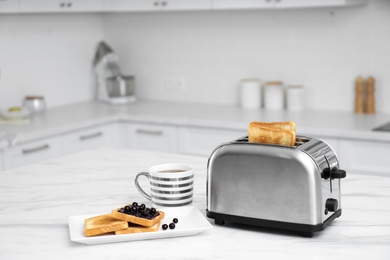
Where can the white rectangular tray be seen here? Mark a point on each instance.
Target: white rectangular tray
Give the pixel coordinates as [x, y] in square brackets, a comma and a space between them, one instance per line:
[191, 222]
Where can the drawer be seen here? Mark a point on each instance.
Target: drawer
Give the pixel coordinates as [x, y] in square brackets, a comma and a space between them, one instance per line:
[364, 156]
[88, 138]
[31, 152]
[203, 141]
[151, 137]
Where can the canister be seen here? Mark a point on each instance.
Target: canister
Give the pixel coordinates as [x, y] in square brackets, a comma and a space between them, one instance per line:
[295, 97]
[250, 93]
[274, 95]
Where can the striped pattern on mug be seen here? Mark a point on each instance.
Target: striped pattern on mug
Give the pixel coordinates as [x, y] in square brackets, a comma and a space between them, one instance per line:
[172, 192]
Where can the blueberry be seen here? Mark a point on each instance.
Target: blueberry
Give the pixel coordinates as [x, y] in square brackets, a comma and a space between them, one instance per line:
[152, 211]
[134, 209]
[172, 226]
[142, 207]
[175, 220]
[135, 204]
[121, 210]
[164, 226]
[127, 209]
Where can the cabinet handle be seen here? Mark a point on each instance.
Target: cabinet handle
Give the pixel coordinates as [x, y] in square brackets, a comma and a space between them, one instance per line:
[35, 149]
[149, 132]
[90, 136]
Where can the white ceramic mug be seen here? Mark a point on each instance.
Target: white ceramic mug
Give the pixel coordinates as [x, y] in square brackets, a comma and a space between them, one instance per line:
[171, 185]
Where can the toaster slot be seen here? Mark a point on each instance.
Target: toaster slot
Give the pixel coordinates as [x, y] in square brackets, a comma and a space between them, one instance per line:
[300, 140]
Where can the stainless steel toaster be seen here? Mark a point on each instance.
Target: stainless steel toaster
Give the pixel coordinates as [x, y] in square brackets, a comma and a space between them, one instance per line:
[285, 187]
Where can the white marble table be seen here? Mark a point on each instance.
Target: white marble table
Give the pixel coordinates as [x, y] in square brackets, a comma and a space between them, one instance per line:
[36, 201]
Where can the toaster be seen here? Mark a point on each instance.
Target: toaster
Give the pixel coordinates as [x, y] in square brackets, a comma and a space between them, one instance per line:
[286, 187]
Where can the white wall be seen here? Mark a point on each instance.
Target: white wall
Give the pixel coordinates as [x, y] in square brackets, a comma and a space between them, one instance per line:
[49, 55]
[322, 49]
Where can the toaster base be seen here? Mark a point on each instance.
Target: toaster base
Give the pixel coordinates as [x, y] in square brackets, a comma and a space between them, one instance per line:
[305, 229]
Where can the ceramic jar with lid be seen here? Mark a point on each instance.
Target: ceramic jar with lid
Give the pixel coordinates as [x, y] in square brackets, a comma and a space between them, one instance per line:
[250, 93]
[295, 96]
[36, 104]
[274, 95]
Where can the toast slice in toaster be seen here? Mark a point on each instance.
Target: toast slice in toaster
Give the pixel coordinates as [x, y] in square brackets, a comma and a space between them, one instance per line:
[288, 125]
[103, 224]
[261, 133]
[134, 228]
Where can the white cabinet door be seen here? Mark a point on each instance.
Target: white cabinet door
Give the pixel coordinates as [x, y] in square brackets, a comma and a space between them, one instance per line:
[242, 4]
[1, 160]
[9, 6]
[151, 137]
[155, 5]
[130, 5]
[43, 6]
[315, 3]
[267, 4]
[203, 141]
[88, 138]
[365, 156]
[31, 152]
[172, 5]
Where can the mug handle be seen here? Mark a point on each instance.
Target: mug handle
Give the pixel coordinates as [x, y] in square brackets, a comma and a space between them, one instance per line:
[146, 174]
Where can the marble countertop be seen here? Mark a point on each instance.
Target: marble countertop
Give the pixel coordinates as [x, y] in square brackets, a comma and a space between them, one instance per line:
[36, 201]
[310, 122]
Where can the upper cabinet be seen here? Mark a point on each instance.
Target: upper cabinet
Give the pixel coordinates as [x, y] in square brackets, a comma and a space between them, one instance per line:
[60, 6]
[74, 6]
[9, 6]
[155, 5]
[272, 4]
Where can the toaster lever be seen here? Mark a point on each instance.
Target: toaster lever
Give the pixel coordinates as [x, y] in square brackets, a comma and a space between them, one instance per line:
[338, 173]
[333, 173]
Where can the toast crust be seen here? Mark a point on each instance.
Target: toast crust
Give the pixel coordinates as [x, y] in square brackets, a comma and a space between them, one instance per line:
[280, 133]
[103, 224]
[136, 220]
[287, 125]
[134, 228]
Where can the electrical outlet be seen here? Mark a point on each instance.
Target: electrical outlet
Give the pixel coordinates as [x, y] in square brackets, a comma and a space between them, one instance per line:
[175, 84]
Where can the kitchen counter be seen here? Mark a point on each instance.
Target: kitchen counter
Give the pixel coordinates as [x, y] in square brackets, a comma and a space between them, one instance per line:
[322, 123]
[36, 201]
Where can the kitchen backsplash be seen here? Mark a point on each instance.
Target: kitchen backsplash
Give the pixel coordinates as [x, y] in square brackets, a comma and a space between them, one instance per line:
[208, 53]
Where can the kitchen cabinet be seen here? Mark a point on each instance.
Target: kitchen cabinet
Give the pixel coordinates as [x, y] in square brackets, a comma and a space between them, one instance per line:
[9, 6]
[202, 141]
[1, 160]
[151, 137]
[43, 6]
[365, 156]
[155, 5]
[273, 4]
[31, 152]
[89, 138]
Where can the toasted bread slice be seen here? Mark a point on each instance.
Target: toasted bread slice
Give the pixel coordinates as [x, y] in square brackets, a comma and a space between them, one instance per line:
[103, 224]
[136, 220]
[258, 134]
[288, 125]
[134, 228]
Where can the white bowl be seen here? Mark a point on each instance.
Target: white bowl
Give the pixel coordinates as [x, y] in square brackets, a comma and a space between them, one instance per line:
[23, 113]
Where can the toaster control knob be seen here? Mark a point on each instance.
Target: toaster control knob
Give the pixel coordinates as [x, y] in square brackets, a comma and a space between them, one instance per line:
[331, 205]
